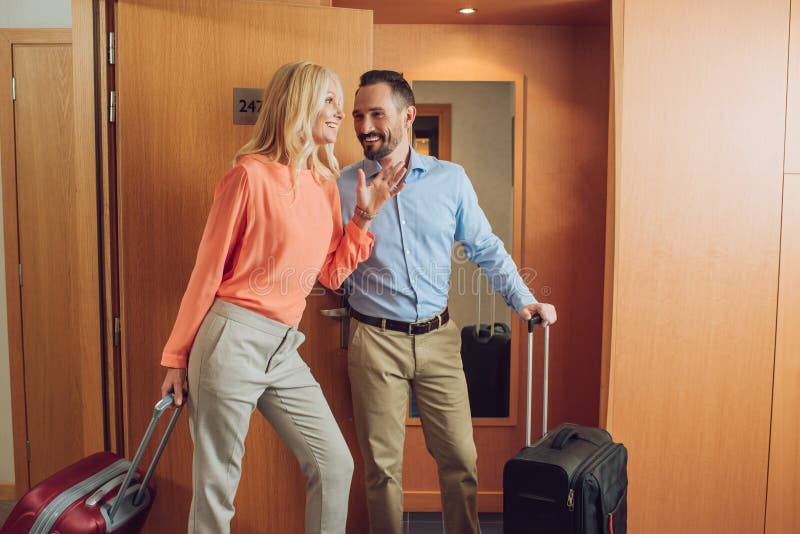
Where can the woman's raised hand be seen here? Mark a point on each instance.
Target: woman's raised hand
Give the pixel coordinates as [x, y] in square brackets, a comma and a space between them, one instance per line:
[371, 197]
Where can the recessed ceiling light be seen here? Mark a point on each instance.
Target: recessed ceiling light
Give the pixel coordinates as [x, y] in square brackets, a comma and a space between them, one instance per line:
[467, 11]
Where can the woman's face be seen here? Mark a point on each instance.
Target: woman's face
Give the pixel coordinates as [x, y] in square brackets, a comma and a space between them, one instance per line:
[329, 118]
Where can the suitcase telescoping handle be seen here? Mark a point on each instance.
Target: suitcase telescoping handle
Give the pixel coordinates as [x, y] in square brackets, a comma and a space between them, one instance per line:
[160, 408]
[536, 319]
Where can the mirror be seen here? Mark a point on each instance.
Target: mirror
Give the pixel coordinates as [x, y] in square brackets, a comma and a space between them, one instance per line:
[472, 123]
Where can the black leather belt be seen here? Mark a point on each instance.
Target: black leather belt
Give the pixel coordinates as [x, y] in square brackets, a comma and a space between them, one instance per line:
[412, 329]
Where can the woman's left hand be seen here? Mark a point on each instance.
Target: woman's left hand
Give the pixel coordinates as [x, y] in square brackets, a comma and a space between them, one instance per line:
[371, 197]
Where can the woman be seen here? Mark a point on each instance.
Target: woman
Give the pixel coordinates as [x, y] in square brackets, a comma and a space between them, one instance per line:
[275, 227]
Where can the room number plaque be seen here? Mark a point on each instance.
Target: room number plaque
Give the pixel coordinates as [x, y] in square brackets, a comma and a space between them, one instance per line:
[246, 104]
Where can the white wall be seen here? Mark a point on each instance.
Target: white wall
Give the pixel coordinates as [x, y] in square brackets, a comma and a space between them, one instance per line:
[35, 14]
[19, 14]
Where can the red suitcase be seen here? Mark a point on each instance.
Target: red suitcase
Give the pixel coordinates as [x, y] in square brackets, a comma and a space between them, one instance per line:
[82, 498]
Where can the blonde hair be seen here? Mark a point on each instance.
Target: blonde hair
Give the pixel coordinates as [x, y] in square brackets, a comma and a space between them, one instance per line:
[284, 128]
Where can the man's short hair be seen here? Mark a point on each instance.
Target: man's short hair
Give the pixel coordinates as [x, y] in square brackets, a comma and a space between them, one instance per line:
[401, 91]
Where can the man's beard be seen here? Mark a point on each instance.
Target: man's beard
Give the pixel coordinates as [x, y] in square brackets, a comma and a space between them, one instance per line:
[386, 148]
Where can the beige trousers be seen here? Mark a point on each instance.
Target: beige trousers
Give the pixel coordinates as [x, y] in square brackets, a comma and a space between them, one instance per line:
[382, 365]
[240, 362]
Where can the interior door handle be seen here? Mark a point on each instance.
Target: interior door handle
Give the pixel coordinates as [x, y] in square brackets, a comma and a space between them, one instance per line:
[340, 313]
[343, 315]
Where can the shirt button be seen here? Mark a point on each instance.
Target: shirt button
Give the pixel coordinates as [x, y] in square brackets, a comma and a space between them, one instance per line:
[408, 251]
[403, 222]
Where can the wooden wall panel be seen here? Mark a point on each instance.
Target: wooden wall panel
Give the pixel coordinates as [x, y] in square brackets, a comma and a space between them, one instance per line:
[783, 491]
[792, 164]
[697, 237]
[565, 166]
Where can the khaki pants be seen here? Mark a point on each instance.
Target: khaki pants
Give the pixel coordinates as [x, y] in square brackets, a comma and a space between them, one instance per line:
[242, 361]
[382, 365]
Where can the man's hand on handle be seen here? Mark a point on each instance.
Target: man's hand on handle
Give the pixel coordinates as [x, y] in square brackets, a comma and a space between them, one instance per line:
[546, 311]
[174, 382]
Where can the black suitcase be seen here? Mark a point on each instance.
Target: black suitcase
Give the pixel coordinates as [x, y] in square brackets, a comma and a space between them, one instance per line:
[486, 357]
[572, 481]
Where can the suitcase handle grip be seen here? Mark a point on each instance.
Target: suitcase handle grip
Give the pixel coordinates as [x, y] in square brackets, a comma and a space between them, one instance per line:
[536, 319]
[160, 408]
[563, 437]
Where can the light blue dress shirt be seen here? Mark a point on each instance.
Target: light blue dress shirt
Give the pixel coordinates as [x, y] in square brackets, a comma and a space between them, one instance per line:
[408, 274]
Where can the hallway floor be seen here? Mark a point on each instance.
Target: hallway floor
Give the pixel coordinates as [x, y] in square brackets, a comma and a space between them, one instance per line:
[5, 509]
[415, 522]
[431, 523]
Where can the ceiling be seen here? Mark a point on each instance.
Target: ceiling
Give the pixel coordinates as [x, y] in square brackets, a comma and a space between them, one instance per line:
[519, 12]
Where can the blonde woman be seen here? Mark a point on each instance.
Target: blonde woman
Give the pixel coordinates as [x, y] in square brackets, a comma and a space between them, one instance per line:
[274, 228]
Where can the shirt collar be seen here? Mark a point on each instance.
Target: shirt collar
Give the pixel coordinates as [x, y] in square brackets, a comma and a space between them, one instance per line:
[416, 163]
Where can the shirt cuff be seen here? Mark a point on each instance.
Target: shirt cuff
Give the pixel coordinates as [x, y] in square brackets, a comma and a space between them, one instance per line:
[521, 299]
[364, 239]
[174, 360]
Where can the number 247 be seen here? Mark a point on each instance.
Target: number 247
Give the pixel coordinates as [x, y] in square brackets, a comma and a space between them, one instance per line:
[254, 106]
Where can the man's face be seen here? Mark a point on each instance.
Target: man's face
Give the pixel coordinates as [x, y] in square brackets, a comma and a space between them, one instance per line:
[379, 125]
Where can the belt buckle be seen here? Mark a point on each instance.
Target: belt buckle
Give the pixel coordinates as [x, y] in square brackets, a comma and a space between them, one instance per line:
[425, 328]
[422, 327]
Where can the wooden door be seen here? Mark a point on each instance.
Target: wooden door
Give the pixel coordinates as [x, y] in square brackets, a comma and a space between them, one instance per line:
[43, 76]
[51, 287]
[177, 65]
[47, 248]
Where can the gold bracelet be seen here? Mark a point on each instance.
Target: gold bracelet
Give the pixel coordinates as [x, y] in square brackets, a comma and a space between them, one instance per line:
[365, 214]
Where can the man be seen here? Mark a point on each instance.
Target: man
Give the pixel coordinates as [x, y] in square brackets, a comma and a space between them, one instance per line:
[400, 333]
